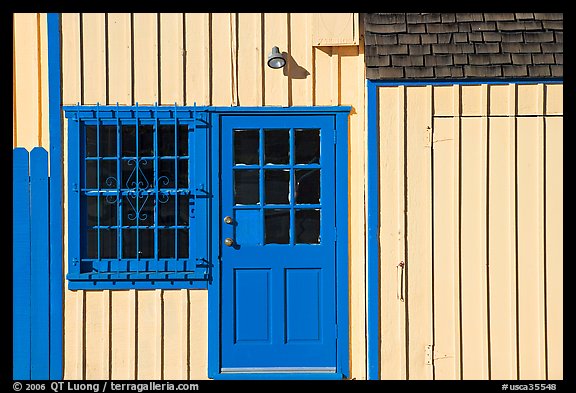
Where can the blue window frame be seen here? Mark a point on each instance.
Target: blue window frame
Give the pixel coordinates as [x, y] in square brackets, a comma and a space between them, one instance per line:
[138, 197]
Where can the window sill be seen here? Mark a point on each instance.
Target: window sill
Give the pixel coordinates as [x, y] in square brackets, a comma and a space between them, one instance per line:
[112, 281]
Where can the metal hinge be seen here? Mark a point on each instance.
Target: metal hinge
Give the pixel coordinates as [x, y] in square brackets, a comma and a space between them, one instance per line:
[429, 355]
[335, 235]
[428, 136]
[335, 136]
[336, 327]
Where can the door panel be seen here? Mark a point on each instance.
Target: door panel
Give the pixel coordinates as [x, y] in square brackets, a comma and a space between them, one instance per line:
[278, 293]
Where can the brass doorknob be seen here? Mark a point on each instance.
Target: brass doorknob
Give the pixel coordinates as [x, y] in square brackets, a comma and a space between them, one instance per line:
[228, 242]
[228, 220]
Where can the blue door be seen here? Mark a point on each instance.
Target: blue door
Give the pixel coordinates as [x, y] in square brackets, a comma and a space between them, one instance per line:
[278, 238]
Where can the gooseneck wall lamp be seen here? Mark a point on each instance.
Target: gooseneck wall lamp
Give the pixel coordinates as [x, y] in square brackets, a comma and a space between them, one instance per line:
[276, 59]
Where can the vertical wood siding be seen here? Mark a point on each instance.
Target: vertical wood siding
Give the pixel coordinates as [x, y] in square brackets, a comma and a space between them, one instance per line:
[471, 185]
[30, 81]
[210, 59]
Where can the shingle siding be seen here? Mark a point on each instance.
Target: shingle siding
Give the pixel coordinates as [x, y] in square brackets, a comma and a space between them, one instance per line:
[463, 45]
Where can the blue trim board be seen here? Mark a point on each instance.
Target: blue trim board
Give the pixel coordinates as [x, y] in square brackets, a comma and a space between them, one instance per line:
[56, 190]
[443, 82]
[372, 251]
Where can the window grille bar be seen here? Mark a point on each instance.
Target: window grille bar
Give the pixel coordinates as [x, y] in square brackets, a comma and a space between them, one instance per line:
[175, 182]
[98, 176]
[292, 185]
[118, 187]
[137, 187]
[156, 177]
[261, 183]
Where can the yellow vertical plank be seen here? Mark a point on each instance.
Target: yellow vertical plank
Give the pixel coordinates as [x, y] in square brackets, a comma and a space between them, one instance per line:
[26, 59]
[419, 228]
[300, 68]
[456, 189]
[351, 96]
[123, 335]
[171, 59]
[275, 32]
[499, 100]
[250, 59]
[529, 100]
[95, 335]
[472, 100]
[198, 335]
[444, 239]
[172, 336]
[198, 54]
[531, 347]
[502, 262]
[472, 262]
[221, 66]
[554, 245]
[554, 99]
[184, 311]
[149, 305]
[71, 78]
[322, 76]
[94, 58]
[119, 59]
[97, 302]
[145, 60]
[391, 129]
[43, 30]
[73, 300]
[443, 100]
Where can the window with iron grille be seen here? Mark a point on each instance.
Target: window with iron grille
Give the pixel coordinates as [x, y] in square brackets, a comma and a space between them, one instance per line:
[139, 199]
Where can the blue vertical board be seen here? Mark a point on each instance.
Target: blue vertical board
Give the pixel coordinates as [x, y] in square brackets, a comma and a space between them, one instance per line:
[56, 288]
[21, 265]
[39, 256]
[372, 257]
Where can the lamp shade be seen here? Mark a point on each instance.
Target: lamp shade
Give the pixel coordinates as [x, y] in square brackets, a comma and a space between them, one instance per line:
[276, 59]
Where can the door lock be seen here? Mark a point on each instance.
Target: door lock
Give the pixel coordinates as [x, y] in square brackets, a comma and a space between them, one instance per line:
[228, 220]
[228, 242]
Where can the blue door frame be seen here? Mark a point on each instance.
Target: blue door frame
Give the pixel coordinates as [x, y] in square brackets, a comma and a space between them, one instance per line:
[340, 118]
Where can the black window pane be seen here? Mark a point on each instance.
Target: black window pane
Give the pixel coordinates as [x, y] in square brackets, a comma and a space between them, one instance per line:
[108, 243]
[182, 173]
[307, 226]
[145, 141]
[91, 149]
[91, 211]
[166, 174]
[276, 147]
[183, 140]
[146, 243]
[108, 210]
[307, 188]
[92, 244]
[146, 174]
[166, 243]
[182, 243]
[128, 243]
[107, 141]
[166, 140]
[307, 145]
[277, 186]
[129, 141]
[91, 180]
[146, 205]
[277, 226]
[246, 143]
[183, 210]
[166, 211]
[108, 174]
[246, 187]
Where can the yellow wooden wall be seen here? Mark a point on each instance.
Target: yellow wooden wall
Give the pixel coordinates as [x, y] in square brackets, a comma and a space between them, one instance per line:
[30, 81]
[211, 59]
[471, 184]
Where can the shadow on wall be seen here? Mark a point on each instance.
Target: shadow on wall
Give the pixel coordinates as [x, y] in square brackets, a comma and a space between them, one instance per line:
[292, 69]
